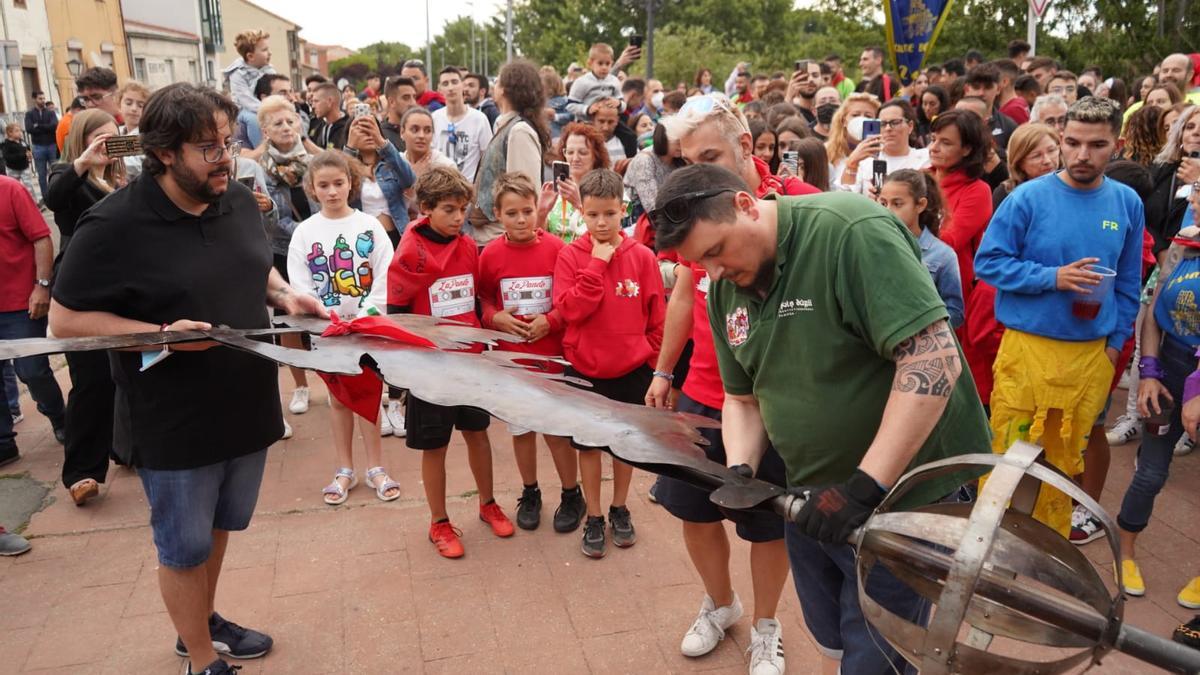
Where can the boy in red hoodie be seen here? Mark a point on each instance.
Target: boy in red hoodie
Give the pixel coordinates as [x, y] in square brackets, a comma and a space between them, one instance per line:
[516, 281]
[433, 273]
[609, 290]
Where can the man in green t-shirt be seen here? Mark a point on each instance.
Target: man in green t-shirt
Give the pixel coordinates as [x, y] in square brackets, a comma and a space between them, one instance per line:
[834, 345]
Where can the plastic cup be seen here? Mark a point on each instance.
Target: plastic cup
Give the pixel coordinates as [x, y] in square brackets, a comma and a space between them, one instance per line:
[1086, 305]
[1159, 424]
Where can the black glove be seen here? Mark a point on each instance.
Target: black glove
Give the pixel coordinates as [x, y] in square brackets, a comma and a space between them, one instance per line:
[832, 512]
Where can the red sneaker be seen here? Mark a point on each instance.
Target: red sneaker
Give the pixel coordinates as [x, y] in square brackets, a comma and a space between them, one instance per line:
[446, 538]
[494, 516]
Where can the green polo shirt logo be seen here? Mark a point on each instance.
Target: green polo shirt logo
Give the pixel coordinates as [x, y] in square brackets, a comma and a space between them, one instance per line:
[737, 326]
[794, 306]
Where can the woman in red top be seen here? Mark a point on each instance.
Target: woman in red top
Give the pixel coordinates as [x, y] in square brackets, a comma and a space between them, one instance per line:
[956, 157]
[957, 153]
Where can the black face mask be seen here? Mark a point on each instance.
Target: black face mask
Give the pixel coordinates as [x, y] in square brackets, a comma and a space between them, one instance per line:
[825, 113]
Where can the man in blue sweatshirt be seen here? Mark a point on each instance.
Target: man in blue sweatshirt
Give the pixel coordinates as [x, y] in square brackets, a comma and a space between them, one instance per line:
[1046, 243]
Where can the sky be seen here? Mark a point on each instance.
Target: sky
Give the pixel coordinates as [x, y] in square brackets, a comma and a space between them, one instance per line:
[357, 23]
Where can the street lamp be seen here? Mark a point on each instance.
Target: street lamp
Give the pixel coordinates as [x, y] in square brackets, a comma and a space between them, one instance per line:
[75, 67]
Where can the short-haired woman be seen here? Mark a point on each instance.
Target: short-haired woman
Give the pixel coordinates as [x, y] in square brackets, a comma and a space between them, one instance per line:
[560, 211]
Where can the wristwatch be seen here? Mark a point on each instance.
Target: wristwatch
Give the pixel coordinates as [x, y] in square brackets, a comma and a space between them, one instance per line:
[44, 283]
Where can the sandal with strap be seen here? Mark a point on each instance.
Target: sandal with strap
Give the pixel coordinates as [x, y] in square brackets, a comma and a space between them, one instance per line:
[334, 493]
[382, 488]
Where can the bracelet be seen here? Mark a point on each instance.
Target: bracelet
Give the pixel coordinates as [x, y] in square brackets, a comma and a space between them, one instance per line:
[669, 377]
[1150, 368]
[1191, 387]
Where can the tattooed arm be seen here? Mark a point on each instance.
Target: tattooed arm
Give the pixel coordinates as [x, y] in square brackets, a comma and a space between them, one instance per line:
[927, 366]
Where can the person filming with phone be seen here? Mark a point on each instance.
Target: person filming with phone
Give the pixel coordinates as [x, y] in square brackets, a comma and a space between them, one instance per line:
[891, 149]
[560, 211]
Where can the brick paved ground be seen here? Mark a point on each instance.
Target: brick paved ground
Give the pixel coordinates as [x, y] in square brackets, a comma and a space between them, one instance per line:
[359, 589]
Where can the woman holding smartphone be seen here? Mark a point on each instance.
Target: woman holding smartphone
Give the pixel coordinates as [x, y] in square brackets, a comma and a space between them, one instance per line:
[386, 175]
[894, 146]
[84, 176]
[560, 211]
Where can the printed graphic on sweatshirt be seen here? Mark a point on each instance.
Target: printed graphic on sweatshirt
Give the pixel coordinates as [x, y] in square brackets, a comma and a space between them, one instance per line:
[335, 275]
[451, 296]
[737, 326]
[527, 296]
[628, 289]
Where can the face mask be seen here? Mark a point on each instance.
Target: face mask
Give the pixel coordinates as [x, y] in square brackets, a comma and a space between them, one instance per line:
[825, 112]
[854, 128]
[657, 100]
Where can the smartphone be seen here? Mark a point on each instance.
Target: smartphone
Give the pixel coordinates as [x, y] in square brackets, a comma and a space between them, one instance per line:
[123, 146]
[635, 40]
[248, 181]
[799, 65]
[878, 171]
[361, 110]
[870, 128]
[791, 159]
[561, 171]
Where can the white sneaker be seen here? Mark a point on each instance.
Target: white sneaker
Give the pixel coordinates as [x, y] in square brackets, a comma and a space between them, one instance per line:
[766, 648]
[299, 404]
[1185, 445]
[385, 425]
[395, 415]
[287, 430]
[1127, 429]
[709, 628]
[1129, 381]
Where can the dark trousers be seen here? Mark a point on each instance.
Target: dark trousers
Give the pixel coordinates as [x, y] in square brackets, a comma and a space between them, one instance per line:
[34, 371]
[89, 418]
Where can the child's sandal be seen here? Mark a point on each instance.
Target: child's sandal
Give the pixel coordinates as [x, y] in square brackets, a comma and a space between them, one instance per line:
[382, 488]
[334, 493]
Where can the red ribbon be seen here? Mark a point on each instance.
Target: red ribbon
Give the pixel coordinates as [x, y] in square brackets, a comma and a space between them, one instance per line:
[362, 393]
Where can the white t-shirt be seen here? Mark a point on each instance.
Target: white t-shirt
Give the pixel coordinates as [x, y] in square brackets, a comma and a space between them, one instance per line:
[465, 146]
[917, 158]
[343, 262]
[616, 151]
[373, 201]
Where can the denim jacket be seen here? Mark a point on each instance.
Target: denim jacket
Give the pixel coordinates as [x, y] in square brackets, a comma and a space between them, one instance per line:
[394, 176]
[942, 264]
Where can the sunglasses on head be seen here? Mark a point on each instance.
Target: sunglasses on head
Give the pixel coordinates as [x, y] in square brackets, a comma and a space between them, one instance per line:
[679, 209]
[703, 105]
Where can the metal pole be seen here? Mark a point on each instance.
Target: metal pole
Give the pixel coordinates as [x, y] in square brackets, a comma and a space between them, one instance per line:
[650, 38]
[1031, 29]
[428, 41]
[508, 50]
[472, 6]
[485, 52]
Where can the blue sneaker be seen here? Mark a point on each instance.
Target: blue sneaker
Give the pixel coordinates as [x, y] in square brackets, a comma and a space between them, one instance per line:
[232, 640]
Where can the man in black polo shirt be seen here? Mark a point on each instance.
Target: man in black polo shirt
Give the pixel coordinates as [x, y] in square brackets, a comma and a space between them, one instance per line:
[179, 249]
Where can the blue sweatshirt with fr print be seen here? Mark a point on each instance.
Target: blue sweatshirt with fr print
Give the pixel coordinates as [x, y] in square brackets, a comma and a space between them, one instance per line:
[1045, 224]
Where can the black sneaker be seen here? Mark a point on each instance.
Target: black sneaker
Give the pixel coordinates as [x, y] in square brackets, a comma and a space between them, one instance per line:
[1188, 633]
[570, 511]
[622, 526]
[594, 545]
[232, 640]
[529, 508]
[217, 667]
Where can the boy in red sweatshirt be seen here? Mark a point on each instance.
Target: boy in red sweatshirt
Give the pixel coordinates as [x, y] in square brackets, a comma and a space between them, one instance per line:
[516, 281]
[609, 290]
[433, 273]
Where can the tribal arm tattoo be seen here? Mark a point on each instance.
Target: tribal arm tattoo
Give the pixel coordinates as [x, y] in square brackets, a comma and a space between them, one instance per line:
[927, 364]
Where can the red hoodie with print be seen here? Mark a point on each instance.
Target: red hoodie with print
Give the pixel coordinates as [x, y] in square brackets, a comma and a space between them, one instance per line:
[520, 278]
[614, 310]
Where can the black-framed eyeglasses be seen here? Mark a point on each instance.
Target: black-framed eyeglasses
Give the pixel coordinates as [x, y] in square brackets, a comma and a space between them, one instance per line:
[215, 154]
[892, 124]
[679, 209]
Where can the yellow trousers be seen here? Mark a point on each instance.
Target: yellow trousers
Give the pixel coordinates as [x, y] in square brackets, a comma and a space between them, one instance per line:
[1049, 392]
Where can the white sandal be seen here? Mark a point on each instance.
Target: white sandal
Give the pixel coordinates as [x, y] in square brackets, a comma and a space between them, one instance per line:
[382, 488]
[334, 493]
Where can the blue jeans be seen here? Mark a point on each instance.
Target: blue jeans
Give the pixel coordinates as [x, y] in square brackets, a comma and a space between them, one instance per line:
[827, 584]
[186, 505]
[250, 121]
[12, 393]
[1156, 452]
[43, 157]
[34, 371]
